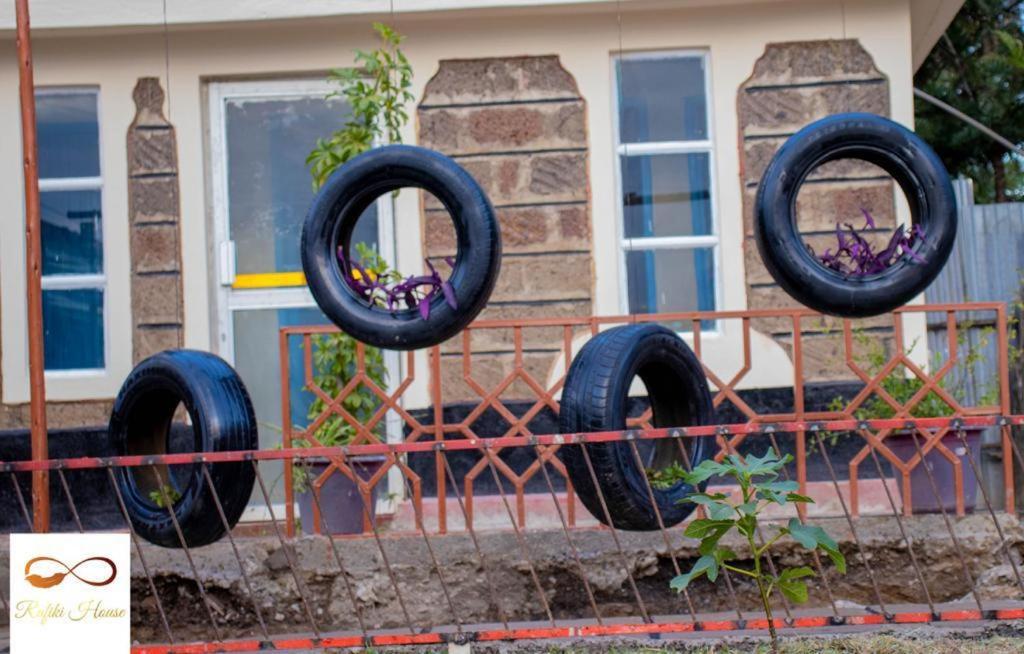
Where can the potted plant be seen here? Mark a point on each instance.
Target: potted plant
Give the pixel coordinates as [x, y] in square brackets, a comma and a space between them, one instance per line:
[335, 365]
[905, 443]
[376, 90]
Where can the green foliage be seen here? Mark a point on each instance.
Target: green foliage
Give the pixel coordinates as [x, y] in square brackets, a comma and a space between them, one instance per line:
[902, 387]
[335, 364]
[758, 480]
[376, 90]
[666, 477]
[170, 492]
[978, 67]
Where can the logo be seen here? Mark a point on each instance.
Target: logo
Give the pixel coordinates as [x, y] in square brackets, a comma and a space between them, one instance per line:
[57, 577]
[73, 594]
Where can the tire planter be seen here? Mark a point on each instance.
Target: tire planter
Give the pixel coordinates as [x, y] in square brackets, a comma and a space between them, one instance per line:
[595, 398]
[914, 166]
[332, 219]
[339, 497]
[222, 419]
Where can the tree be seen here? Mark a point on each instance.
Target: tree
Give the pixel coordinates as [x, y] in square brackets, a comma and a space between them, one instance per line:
[978, 67]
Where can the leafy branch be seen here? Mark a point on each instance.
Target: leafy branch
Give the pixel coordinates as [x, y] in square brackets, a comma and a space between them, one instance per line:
[376, 90]
[760, 487]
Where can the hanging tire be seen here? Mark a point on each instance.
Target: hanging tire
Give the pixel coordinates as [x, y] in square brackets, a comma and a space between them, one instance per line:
[332, 219]
[919, 173]
[222, 419]
[595, 398]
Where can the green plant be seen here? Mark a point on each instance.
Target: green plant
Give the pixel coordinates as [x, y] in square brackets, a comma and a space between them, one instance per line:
[166, 491]
[376, 90]
[902, 387]
[335, 365]
[760, 486]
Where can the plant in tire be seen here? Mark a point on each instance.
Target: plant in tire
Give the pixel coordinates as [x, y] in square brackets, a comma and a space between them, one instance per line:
[855, 281]
[349, 175]
[758, 480]
[376, 90]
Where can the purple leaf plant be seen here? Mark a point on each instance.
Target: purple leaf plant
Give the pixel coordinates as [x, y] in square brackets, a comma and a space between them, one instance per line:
[854, 255]
[388, 289]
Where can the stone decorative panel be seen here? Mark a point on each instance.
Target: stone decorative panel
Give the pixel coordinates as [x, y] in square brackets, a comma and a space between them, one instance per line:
[794, 84]
[157, 306]
[59, 415]
[518, 125]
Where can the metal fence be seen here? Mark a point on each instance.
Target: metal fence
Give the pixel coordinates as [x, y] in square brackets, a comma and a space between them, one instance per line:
[489, 463]
[986, 265]
[499, 618]
[339, 614]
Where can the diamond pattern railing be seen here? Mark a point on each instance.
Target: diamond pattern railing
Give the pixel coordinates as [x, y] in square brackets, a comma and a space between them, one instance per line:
[460, 363]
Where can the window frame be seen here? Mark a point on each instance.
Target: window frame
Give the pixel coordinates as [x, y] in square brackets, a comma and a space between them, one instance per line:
[705, 146]
[84, 281]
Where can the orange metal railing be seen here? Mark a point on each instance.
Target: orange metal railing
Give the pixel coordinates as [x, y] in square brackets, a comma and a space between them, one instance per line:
[453, 371]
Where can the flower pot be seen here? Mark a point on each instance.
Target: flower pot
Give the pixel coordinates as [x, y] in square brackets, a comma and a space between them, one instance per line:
[340, 501]
[923, 499]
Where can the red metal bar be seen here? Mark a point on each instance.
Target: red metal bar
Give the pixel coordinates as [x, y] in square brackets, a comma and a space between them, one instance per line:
[621, 629]
[286, 431]
[494, 443]
[33, 270]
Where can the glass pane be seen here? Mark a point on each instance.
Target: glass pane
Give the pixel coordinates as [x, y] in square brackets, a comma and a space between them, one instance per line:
[269, 186]
[666, 195]
[662, 100]
[257, 362]
[73, 329]
[69, 134]
[72, 232]
[667, 281]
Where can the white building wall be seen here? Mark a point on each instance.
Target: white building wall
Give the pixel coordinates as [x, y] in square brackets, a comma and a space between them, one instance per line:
[585, 39]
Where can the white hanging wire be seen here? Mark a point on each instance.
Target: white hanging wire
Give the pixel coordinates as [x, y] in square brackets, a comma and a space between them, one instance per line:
[167, 61]
[180, 300]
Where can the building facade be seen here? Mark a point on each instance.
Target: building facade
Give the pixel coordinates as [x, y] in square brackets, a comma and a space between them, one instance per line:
[621, 144]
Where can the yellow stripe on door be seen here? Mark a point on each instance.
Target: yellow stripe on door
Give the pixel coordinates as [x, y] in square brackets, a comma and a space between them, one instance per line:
[269, 280]
[277, 279]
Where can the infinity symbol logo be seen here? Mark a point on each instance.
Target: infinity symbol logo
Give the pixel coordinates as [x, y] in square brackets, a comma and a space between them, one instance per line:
[55, 579]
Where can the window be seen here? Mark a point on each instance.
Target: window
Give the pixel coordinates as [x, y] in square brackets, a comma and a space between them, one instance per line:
[669, 238]
[70, 190]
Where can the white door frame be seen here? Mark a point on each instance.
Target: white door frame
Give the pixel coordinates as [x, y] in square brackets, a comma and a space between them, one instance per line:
[229, 300]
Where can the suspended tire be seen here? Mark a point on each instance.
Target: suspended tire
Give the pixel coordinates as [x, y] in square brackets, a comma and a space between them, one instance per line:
[595, 398]
[919, 173]
[212, 396]
[332, 219]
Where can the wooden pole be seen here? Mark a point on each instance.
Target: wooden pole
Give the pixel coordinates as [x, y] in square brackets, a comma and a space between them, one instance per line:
[33, 268]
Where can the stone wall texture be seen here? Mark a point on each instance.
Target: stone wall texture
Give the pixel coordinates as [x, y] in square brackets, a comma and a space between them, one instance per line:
[518, 125]
[794, 84]
[153, 207]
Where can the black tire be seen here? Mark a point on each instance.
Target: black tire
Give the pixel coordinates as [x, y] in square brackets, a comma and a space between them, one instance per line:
[222, 420]
[595, 397]
[334, 214]
[914, 166]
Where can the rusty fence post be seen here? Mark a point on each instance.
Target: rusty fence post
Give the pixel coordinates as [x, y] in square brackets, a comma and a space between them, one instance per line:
[33, 270]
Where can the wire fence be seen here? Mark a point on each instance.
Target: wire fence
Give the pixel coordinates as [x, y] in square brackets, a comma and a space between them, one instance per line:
[504, 617]
[512, 579]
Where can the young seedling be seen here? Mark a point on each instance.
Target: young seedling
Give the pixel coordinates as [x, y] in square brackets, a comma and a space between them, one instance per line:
[166, 491]
[760, 486]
